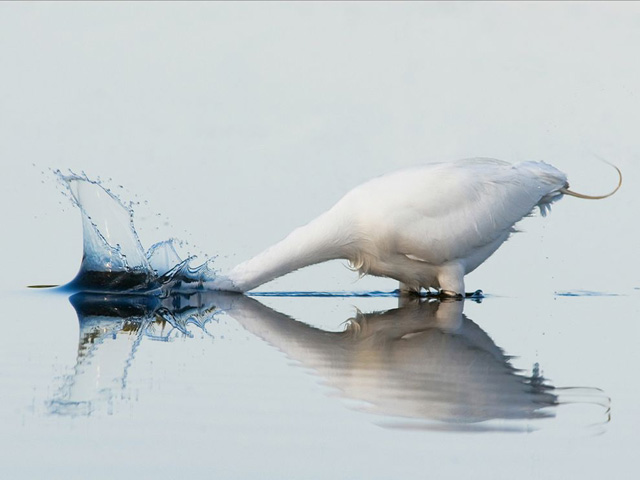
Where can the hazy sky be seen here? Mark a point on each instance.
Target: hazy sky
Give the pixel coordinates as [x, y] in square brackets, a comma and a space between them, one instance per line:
[239, 122]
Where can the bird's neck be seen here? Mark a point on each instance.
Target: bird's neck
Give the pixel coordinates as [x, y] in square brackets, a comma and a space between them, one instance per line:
[325, 238]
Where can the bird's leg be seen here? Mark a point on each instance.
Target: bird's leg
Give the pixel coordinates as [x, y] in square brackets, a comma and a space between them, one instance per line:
[407, 289]
[451, 280]
[409, 295]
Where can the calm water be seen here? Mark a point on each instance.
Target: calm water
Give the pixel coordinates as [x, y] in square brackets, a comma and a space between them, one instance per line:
[240, 387]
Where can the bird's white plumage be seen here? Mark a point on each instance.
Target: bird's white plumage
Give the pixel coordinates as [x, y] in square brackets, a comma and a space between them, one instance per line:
[426, 226]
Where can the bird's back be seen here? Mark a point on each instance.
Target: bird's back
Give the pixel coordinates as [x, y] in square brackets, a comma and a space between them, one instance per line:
[441, 212]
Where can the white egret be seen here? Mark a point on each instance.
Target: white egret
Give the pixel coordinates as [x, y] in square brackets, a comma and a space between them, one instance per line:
[426, 227]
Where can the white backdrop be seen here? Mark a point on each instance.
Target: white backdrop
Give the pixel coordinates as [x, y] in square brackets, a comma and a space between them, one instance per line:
[239, 122]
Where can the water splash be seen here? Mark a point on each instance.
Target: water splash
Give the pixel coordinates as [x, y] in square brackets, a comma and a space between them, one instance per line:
[113, 257]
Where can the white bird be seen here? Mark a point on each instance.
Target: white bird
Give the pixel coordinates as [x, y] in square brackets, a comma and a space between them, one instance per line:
[426, 227]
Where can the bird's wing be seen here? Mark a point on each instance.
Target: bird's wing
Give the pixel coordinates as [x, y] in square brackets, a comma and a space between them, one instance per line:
[446, 211]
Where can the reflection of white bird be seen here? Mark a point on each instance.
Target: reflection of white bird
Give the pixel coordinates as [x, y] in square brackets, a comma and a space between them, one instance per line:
[426, 227]
[426, 361]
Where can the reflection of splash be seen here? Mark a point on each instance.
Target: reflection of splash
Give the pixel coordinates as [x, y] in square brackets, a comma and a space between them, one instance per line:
[425, 362]
[111, 330]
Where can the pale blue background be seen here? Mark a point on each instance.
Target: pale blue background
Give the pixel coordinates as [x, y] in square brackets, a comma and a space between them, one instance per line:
[239, 122]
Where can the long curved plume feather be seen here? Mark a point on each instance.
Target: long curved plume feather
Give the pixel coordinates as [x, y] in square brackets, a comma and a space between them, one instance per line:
[566, 190]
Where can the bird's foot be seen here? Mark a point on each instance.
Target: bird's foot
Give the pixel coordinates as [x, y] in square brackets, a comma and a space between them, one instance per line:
[450, 294]
[476, 294]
